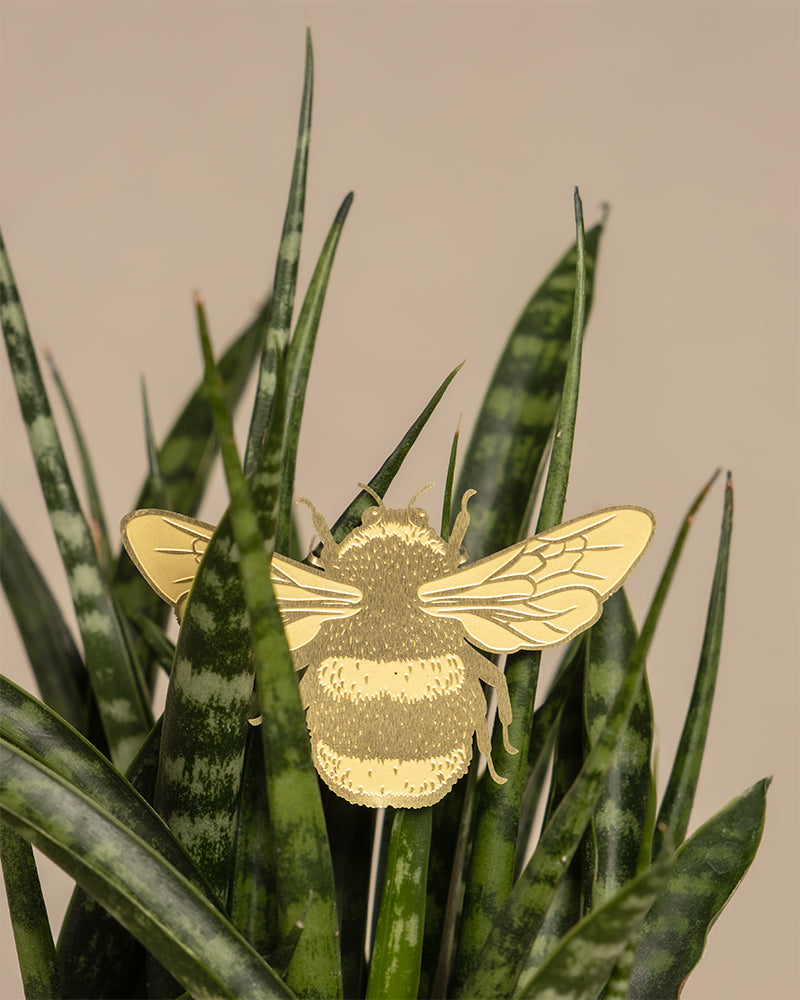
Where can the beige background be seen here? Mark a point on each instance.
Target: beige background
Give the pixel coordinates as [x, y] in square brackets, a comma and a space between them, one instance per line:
[146, 151]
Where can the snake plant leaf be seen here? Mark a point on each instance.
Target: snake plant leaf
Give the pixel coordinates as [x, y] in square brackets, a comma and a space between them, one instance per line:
[132, 881]
[29, 725]
[676, 805]
[298, 366]
[566, 908]
[32, 936]
[382, 479]
[498, 965]
[54, 657]
[351, 831]
[584, 958]
[186, 455]
[304, 876]
[708, 867]
[617, 830]
[97, 956]
[185, 460]
[155, 479]
[447, 500]
[545, 728]
[97, 519]
[120, 692]
[252, 900]
[520, 406]
[397, 952]
[491, 869]
[285, 282]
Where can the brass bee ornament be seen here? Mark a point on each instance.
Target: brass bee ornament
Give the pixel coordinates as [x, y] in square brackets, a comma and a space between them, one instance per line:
[385, 630]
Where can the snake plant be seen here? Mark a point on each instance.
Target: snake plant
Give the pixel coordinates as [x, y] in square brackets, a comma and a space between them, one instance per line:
[208, 858]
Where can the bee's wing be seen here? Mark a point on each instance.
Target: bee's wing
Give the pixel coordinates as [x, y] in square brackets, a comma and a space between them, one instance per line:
[166, 548]
[307, 598]
[543, 591]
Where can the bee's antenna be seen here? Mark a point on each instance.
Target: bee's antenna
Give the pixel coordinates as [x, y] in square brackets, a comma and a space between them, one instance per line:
[418, 494]
[373, 494]
[461, 522]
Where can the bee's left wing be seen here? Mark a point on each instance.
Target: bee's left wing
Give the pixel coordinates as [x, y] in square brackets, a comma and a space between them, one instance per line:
[167, 548]
[543, 591]
[307, 598]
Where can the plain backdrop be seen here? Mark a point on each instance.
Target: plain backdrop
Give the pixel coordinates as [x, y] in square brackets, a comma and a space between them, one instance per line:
[146, 152]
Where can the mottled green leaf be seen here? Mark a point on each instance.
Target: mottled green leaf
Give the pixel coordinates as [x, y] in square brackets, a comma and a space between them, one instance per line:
[252, 901]
[491, 869]
[517, 415]
[568, 755]
[708, 868]
[54, 657]
[119, 690]
[285, 282]
[676, 805]
[156, 486]
[500, 961]
[298, 366]
[97, 956]
[133, 881]
[32, 936]
[397, 951]
[447, 500]
[584, 958]
[97, 519]
[304, 876]
[351, 831]
[382, 479]
[614, 838]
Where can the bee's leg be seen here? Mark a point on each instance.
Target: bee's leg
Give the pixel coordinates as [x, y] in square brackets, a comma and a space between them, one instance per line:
[485, 747]
[491, 674]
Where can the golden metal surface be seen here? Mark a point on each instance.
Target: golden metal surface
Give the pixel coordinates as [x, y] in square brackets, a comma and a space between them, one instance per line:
[384, 631]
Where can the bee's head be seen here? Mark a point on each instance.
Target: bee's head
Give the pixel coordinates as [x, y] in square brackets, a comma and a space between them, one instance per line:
[410, 515]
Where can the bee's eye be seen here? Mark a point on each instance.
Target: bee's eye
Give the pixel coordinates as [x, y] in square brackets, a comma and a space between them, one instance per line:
[371, 515]
[418, 517]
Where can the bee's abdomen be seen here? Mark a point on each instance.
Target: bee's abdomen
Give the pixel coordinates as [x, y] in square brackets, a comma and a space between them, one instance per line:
[435, 711]
[405, 680]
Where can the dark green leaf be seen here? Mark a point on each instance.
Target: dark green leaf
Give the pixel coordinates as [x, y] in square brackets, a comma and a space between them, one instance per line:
[584, 958]
[54, 657]
[499, 963]
[397, 952]
[32, 935]
[519, 409]
[252, 900]
[298, 366]
[382, 479]
[491, 871]
[97, 519]
[285, 273]
[708, 868]
[120, 692]
[133, 881]
[617, 829]
[304, 876]
[97, 956]
[676, 806]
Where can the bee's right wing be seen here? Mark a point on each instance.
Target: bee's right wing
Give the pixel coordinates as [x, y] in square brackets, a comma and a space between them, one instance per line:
[543, 591]
[307, 598]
